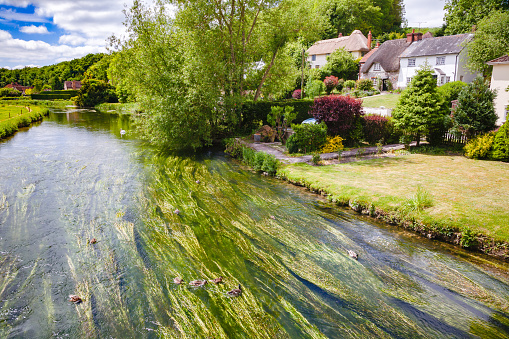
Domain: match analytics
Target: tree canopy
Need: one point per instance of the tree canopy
(461, 15)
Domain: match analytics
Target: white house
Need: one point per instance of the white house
(499, 82)
(356, 43)
(447, 56)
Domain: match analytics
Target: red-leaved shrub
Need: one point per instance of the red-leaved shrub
(340, 113)
(375, 128)
(330, 82)
(296, 94)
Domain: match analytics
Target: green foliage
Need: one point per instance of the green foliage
(491, 40)
(350, 84)
(9, 92)
(420, 108)
(475, 112)
(468, 238)
(450, 91)
(281, 120)
(480, 147)
(314, 88)
(341, 64)
(419, 201)
(233, 147)
(307, 138)
(315, 159)
(461, 15)
(54, 95)
(501, 144)
(94, 92)
(11, 126)
(365, 85)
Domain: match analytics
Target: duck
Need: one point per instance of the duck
(198, 283)
(235, 292)
(177, 212)
(217, 280)
(273, 217)
(75, 299)
(352, 254)
(93, 240)
(198, 182)
(122, 132)
(178, 280)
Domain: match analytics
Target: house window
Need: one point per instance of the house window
(377, 67)
(411, 62)
(408, 80)
(313, 57)
(441, 60)
(447, 79)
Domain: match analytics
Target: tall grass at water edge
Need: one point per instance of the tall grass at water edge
(10, 126)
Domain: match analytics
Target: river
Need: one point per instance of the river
(73, 178)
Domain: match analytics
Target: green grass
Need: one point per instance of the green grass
(12, 117)
(461, 193)
(386, 100)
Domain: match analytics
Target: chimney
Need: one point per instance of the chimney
(411, 37)
(377, 44)
(370, 37)
(340, 35)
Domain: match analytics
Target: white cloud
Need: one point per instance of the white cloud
(11, 15)
(15, 3)
(34, 29)
(71, 39)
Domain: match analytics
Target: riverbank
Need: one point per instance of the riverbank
(467, 199)
(15, 116)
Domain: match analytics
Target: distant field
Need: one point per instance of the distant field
(7, 112)
(386, 100)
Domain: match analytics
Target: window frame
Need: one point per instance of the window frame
(440, 60)
(411, 62)
(377, 67)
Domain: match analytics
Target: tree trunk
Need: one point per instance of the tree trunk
(418, 139)
(259, 89)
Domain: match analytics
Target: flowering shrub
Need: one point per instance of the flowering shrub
(350, 84)
(375, 128)
(341, 114)
(333, 144)
(480, 147)
(297, 94)
(330, 82)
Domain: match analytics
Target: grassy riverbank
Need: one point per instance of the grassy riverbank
(468, 196)
(15, 116)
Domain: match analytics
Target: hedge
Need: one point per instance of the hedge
(53, 95)
(254, 111)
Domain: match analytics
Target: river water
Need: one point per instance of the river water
(73, 177)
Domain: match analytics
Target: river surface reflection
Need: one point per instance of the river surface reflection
(73, 177)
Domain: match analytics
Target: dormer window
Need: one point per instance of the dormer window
(376, 67)
(411, 62)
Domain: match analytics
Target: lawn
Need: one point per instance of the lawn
(386, 100)
(7, 112)
(466, 193)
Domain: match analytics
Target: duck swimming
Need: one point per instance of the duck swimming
(75, 299)
(352, 254)
(178, 280)
(217, 280)
(235, 292)
(93, 240)
(198, 283)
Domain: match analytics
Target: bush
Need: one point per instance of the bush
(480, 147)
(350, 84)
(341, 114)
(341, 64)
(340, 84)
(260, 161)
(94, 92)
(365, 85)
(297, 94)
(314, 88)
(307, 138)
(9, 92)
(316, 159)
(333, 144)
(501, 143)
(375, 128)
(450, 91)
(330, 83)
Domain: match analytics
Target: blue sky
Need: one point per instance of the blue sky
(45, 32)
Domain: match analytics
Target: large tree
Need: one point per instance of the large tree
(461, 15)
(420, 109)
(491, 40)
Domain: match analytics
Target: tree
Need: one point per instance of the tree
(94, 92)
(491, 40)
(475, 112)
(420, 108)
(341, 64)
(461, 15)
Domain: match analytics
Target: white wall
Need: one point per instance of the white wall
(321, 60)
(500, 81)
(453, 68)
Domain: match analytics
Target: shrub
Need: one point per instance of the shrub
(340, 84)
(480, 147)
(297, 94)
(248, 155)
(316, 159)
(270, 163)
(333, 144)
(501, 143)
(341, 114)
(9, 92)
(258, 159)
(350, 84)
(365, 85)
(314, 88)
(233, 147)
(341, 64)
(330, 83)
(375, 128)
(280, 119)
(94, 92)
(307, 138)
(420, 200)
(450, 91)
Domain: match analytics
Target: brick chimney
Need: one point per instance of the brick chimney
(340, 35)
(411, 37)
(370, 37)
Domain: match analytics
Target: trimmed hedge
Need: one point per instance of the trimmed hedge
(255, 111)
(49, 96)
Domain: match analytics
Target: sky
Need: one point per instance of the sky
(45, 32)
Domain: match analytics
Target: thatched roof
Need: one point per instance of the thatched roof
(502, 60)
(452, 44)
(355, 42)
(387, 55)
